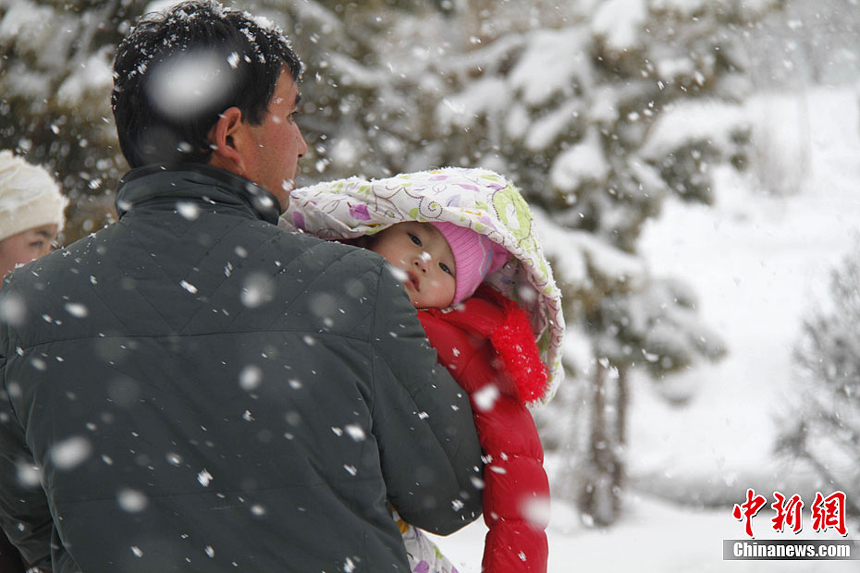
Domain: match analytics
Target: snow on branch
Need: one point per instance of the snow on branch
(688, 122)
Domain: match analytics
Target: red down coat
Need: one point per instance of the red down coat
(488, 347)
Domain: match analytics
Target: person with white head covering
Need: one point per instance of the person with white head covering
(31, 211)
(31, 216)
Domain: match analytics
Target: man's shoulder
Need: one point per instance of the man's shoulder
(322, 252)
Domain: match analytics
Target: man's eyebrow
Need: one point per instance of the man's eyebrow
(298, 99)
(44, 233)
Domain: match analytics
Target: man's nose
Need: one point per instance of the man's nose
(303, 145)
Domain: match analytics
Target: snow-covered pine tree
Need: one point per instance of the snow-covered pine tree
(823, 428)
(55, 81)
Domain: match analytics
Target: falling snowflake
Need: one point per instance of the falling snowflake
(355, 432)
(28, 475)
(70, 452)
(188, 210)
(486, 397)
(13, 310)
(131, 500)
(204, 477)
(536, 510)
(258, 510)
(398, 274)
(257, 289)
(188, 83)
(323, 305)
(250, 377)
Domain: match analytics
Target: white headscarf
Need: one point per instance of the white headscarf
(29, 196)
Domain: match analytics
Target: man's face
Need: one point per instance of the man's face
(26, 246)
(422, 260)
(272, 163)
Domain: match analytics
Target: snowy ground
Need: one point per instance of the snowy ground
(757, 262)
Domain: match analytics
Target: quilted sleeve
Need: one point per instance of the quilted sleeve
(429, 450)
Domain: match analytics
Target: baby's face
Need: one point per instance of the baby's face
(422, 259)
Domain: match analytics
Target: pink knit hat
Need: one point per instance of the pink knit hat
(475, 256)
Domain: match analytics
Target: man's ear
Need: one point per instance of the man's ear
(225, 139)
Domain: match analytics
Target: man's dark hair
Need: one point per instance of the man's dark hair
(177, 70)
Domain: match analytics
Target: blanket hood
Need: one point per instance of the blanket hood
(481, 200)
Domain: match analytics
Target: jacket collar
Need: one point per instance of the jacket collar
(195, 181)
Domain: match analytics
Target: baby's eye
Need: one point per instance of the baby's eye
(446, 269)
(415, 239)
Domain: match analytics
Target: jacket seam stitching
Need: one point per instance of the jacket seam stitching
(200, 334)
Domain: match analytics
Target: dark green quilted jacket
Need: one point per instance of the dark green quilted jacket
(194, 389)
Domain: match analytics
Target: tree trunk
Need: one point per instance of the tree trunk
(477, 17)
(622, 400)
(599, 499)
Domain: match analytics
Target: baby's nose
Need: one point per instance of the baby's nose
(422, 261)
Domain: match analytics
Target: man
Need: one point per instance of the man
(193, 389)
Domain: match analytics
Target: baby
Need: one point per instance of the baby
(484, 339)
(486, 343)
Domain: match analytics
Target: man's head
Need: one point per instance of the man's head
(31, 211)
(181, 73)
